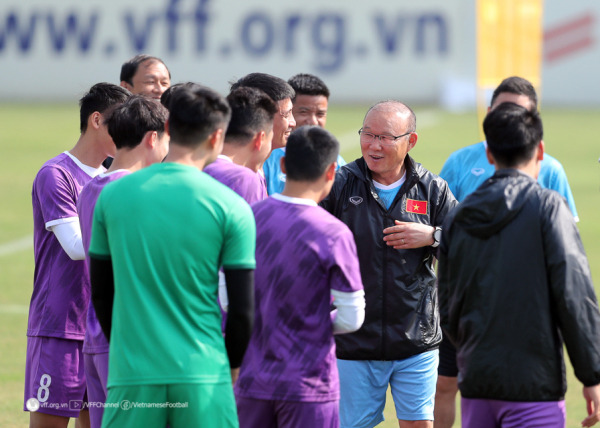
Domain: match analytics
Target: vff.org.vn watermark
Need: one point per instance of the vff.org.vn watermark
(33, 405)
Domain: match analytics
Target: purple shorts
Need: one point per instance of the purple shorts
(255, 413)
(54, 376)
(481, 413)
(96, 375)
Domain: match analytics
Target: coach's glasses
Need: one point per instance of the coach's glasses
(384, 140)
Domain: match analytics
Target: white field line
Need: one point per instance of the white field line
(17, 245)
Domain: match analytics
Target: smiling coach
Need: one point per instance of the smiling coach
(394, 208)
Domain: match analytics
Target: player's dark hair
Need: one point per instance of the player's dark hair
(252, 111)
(512, 133)
(518, 86)
(308, 84)
(101, 97)
(165, 98)
(129, 68)
(195, 113)
(129, 122)
(309, 151)
(278, 89)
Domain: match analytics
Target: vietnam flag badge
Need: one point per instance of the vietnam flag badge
(417, 207)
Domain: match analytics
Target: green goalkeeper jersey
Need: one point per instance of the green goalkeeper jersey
(167, 229)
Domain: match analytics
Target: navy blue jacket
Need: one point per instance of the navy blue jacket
(401, 316)
(514, 282)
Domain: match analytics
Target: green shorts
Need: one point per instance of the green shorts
(178, 405)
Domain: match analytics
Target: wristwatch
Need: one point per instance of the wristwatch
(437, 236)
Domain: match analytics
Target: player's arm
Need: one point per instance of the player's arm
(345, 284)
(59, 210)
(240, 315)
(350, 311)
(238, 260)
(561, 185)
(444, 285)
(223, 299)
(69, 236)
(103, 291)
(574, 302)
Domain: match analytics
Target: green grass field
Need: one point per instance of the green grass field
(31, 134)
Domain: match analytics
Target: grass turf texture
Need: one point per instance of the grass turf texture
(32, 134)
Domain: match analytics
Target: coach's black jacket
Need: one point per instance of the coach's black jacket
(402, 317)
(514, 282)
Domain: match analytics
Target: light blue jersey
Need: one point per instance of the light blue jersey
(275, 178)
(387, 193)
(468, 167)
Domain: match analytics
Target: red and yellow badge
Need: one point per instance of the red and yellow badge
(417, 207)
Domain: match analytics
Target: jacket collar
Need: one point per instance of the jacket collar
(511, 172)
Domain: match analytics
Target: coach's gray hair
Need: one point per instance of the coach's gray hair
(398, 106)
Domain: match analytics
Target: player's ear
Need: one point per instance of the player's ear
(151, 139)
(95, 120)
(126, 85)
(167, 126)
(330, 171)
(258, 140)
(490, 156)
(213, 139)
(540, 153)
(412, 140)
(216, 140)
(282, 164)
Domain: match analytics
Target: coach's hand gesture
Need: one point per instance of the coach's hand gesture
(405, 235)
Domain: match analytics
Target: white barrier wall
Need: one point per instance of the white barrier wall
(421, 52)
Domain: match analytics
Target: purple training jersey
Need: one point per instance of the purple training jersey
(302, 253)
(248, 184)
(95, 342)
(60, 290)
(243, 181)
